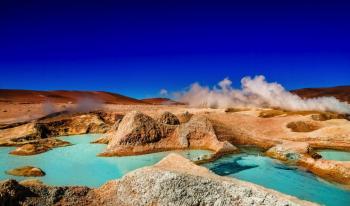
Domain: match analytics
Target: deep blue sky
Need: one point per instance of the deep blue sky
(138, 47)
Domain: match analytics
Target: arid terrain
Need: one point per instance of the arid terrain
(341, 92)
(31, 120)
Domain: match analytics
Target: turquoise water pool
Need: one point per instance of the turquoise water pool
(286, 179)
(79, 165)
(334, 155)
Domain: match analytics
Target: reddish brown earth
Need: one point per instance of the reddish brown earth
(62, 96)
(162, 101)
(341, 92)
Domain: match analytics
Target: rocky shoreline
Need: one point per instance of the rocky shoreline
(173, 181)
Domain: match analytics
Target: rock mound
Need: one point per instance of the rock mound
(27, 171)
(12, 193)
(289, 151)
(106, 138)
(137, 128)
(303, 126)
(199, 133)
(139, 133)
(185, 117)
(168, 118)
(178, 181)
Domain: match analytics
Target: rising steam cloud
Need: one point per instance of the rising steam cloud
(256, 92)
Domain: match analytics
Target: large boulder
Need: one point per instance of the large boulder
(168, 118)
(12, 193)
(178, 181)
(136, 128)
(139, 133)
(199, 133)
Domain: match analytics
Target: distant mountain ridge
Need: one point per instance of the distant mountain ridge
(70, 96)
(162, 101)
(340, 92)
(64, 96)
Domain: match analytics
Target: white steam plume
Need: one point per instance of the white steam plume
(87, 105)
(256, 92)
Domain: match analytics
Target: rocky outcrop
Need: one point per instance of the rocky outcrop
(61, 125)
(72, 125)
(300, 153)
(199, 133)
(184, 117)
(168, 118)
(303, 126)
(108, 117)
(14, 193)
(26, 171)
(327, 116)
(289, 151)
(139, 133)
(29, 182)
(173, 181)
(248, 129)
(334, 171)
(39, 146)
(177, 181)
(137, 128)
(106, 138)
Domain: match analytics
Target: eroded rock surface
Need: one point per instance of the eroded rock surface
(301, 154)
(177, 181)
(106, 138)
(289, 151)
(303, 126)
(139, 133)
(168, 118)
(39, 146)
(26, 171)
(52, 126)
(199, 133)
(334, 171)
(14, 193)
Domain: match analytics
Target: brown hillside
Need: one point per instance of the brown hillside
(341, 92)
(161, 101)
(62, 96)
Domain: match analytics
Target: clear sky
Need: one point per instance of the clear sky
(136, 48)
